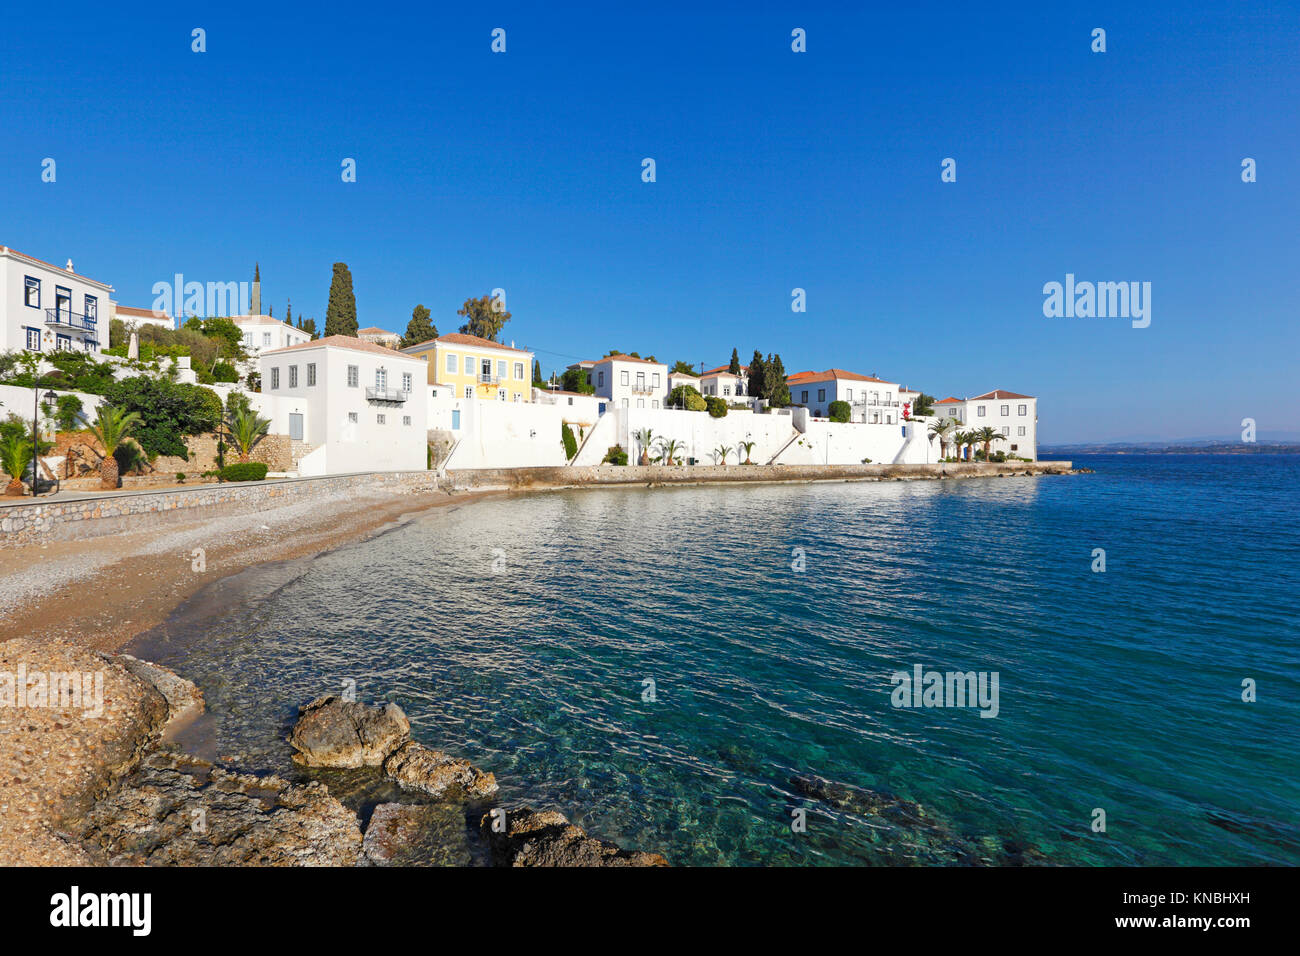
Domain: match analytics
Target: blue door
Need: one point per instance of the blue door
(455, 419)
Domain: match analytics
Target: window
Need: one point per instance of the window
(380, 419)
(311, 374)
(293, 376)
(821, 394)
(32, 292)
(979, 411)
(804, 399)
(654, 380)
(62, 300)
(451, 364)
(381, 378)
(62, 342)
(406, 419)
(88, 345)
(848, 394)
(640, 403)
(248, 339)
(275, 378)
(625, 403)
(469, 391)
(1006, 432)
(600, 378)
(517, 396)
(1022, 409)
(519, 370)
(726, 390)
(623, 377)
(406, 381)
(354, 376)
(1006, 410)
(501, 394)
(501, 368)
(654, 403)
(1020, 431)
(640, 381)
(92, 309)
(817, 413)
(266, 338)
(352, 417)
(1015, 447)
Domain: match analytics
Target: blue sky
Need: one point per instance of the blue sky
(775, 170)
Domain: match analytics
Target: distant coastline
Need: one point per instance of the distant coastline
(1174, 448)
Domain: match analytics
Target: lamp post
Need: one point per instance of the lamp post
(36, 432)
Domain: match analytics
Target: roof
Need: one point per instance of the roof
(620, 357)
(49, 265)
(338, 342)
(718, 373)
(376, 330)
(836, 373)
(260, 320)
(744, 370)
(683, 374)
(142, 313)
(460, 338)
(949, 401)
(999, 393)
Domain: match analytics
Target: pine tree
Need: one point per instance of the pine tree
(341, 313)
(734, 367)
(420, 329)
(757, 376)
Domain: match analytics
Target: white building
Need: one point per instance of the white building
(1012, 415)
(681, 378)
(360, 406)
(380, 337)
(628, 382)
(263, 334)
(871, 400)
(134, 318)
(45, 309)
(722, 383)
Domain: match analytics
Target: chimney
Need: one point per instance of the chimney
(69, 266)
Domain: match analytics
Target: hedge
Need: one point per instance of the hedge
(243, 471)
(716, 407)
(839, 412)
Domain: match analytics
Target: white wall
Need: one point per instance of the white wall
(697, 433)
(509, 435)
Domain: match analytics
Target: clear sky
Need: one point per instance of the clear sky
(775, 170)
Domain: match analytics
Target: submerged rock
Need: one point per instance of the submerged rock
(859, 800)
(547, 838)
(416, 767)
(401, 834)
(332, 732)
(179, 811)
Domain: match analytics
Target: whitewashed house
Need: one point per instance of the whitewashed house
(681, 378)
(628, 382)
(263, 334)
(1012, 415)
(45, 309)
(134, 318)
(360, 406)
(871, 400)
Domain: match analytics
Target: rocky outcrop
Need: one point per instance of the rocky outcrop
(415, 767)
(184, 700)
(401, 834)
(177, 811)
(332, 732)
(527, 837)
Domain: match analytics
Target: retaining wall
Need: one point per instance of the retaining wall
(24, 521)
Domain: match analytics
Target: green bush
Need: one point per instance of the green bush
(688, 397)
(224, 372)
(169, 412)
(67, 418)
(716, 407)
(839, 412)
(570, 443)
(616, 455)
(244, 471)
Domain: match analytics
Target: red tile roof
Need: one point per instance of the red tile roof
(949, 401)
(625, 358)
(143, 313)
(339, 342)
(999, 393)
(798, 378)
(23, 255)
(744, 370)
(375, 330)
(460, 338)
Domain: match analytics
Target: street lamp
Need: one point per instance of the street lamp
(36, 432)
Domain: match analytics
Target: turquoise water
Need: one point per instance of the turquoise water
(1118, 690)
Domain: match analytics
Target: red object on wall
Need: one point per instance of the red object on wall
(907, 409)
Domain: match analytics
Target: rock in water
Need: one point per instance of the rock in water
(400, 834)
(859, 800)
(179, 811)
(184, 700)
(416, 767)
(332, 732)
(547, 838)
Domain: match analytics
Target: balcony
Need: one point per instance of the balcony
(484, 379)
(390, 395)
(62, 318)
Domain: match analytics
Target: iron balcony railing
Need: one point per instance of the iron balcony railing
(70, 320)
(488, 379)
(386, 395)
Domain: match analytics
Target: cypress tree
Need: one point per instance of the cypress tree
(734, 367)
(778, 392)
(419, 329)
(538, 381)
(341, 313)
(288, 312)
(757, 376)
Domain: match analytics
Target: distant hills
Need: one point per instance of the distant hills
(1207, 446)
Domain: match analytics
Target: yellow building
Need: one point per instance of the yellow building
(474, 367)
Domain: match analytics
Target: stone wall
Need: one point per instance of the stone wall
(23, 521)
(586, 475)
(274, 451)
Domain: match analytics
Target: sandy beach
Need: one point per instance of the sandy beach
(62, 605)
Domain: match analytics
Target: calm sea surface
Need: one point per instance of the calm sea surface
(1118, 691)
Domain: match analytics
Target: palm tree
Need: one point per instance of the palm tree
(644, 437)
(987, 435)
(721, 453)
(668, 448)
(746, 447)
(15, 455)
(941, 428)
(110, 427)
(246, 430)
(959, 442)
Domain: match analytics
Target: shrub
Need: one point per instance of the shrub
(839, 412)
(243, 471)
(570, 443)
(616, 455)
(688, 397)
(130, 459)
(224, 372)
(169, 412)
(68, 415)
(716, 407)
